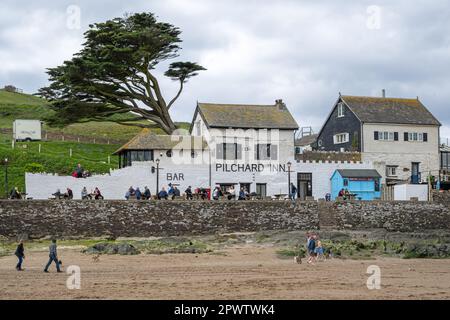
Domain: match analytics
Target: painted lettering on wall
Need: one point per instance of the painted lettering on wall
(175, 176)
(223, 167)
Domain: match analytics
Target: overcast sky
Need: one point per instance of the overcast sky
(304, 52)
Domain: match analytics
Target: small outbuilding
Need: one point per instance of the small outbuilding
(361, 184)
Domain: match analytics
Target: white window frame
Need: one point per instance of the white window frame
(391, 171)
(386, 136)
(415, 136)
(341, 110)
(341, 138)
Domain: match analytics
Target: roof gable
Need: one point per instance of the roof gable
(246, 116)
(390, 110)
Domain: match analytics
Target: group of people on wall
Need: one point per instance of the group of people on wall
(85, 195)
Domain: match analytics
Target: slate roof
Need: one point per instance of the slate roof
(246, 116)
(306, 140)
(146, 140)
(359, 173)
(390, 110)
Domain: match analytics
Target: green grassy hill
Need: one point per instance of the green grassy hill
(24, 106)
(54, 155)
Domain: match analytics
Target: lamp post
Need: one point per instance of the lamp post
(289, 178)
(157, 176)
(6, 177)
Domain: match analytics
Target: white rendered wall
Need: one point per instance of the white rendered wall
(405, 192)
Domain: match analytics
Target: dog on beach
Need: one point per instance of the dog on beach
(96, 258)
(298, 260)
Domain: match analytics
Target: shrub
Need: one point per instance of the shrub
(34, 167)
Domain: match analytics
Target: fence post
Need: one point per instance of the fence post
(109, 159)
(62, 138)
(12, 143)
(78, 139)
(39, 148)
(46, 138)
(94, 140)
(70, 152)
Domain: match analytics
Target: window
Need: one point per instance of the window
(391, 171)
(386, 136)
(341, 138)
(345, 182)
(341, 110)
(169, 153)
(229, 151)
(266, 151)
(416, 136)
(199, 128)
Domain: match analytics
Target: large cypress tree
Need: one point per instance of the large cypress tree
(112, 77)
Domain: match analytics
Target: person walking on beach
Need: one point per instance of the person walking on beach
(312, 249)
(53, 256)
(20, 254)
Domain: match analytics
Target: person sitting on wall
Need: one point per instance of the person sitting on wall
(231, 193)
(131, 191)
(68, 194)
(147, 195)
(86, 174)
(163, 194)
(170, 191)
(97, 194)
(216, 193)
(341, 193)
(176, 192)
(84, 194)
(138, 194)
(15, 194)
(241, 194)
(57, 194)
(188, 193)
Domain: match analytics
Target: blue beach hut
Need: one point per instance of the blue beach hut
(365, 184)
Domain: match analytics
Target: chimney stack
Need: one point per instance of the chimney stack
(383, 93)
(280, 104)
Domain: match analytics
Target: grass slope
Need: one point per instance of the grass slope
(24, 106)
(54, 157)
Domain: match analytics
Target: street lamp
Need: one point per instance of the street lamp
(6, 177)
(157, 176)
(289, 178)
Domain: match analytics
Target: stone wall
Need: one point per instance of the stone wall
(402, 216)
(40, 218)
(442, 197)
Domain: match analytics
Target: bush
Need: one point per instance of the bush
(34, 167)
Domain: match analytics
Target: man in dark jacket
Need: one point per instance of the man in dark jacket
(53, 256)
(20, 254)
(188, 193)
(147, 194)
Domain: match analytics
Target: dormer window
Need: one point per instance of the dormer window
(341, 110)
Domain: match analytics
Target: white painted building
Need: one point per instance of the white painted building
(248, 146)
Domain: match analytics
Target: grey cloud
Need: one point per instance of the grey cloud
(257, 51)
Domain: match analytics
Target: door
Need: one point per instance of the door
(304, 185)
(261, 190)
(415, 173)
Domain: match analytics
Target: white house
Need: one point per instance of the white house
(245, 146)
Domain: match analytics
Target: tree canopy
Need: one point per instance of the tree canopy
(112, 77)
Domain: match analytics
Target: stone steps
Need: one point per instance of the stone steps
(328, 219)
